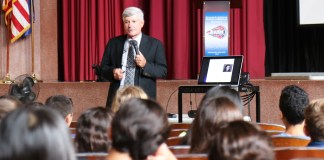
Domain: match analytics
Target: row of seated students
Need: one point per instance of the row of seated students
(139, 130)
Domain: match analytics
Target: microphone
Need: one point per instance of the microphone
(134, 43)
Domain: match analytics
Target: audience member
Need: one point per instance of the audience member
(211, 113)
(126, 93)
(63, 105)
(293, 101)
(223, 91)
(92, 130)
(34, 105)
(139, 131)
(37, 134)
(314, 123)
(242, 141)
(8, 104)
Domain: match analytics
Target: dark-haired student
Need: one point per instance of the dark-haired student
(63, 105)
(91, 131)
(35, 133)
(240, 140)
(292, 103)
(139, 131)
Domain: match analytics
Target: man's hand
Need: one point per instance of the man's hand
(140, 60)
(118, 73)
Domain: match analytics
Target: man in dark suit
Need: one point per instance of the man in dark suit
(149, 59)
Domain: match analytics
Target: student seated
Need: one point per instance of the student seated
(292, 103)
(8, 104)
(126, 93)
(63, 105)
(218, 105)
(139, 131)
(314, 123)
(92, 130)
(240, 140)
(35, 134)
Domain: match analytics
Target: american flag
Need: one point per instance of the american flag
(17, 16)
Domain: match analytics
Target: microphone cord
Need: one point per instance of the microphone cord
(190, 102)
(166, 108)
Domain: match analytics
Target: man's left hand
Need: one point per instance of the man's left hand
(140, 60)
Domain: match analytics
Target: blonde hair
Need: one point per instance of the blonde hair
(126, 93)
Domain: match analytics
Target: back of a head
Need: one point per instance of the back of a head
(293, 101)
(139, 127)
(92, 130)
(208, 118)
(223, 91)
(60, 103)
(8, 104)
(38, 134)
(126, 93)
(240, 140)
(314, 120)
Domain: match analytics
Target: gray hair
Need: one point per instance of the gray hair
(131, 11)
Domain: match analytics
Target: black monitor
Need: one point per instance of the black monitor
(222, 70)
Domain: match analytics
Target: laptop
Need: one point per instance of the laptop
(222, 71)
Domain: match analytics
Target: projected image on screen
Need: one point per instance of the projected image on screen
(311, 12)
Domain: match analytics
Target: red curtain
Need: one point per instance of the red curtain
(87, 25)
(247, 36)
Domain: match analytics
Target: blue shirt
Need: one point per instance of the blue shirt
(316, 144)
(284, 134)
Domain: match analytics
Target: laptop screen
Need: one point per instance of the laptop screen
(224, 70)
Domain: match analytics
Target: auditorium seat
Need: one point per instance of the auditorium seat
(92, 156)
(174, 141)
(191, 156)
(72, 130)
(271, 126)
(180, 125)
(73, 124)
(289, 142)
(180, 149)
(287, 153)
(176, 132)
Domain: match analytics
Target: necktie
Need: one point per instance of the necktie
(130, 67)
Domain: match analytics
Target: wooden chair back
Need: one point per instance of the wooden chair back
(73, 124)
(192, 156)
(180, 125)
(174, 141)
(180, 149)
(176, 132)
(270, 126)
(287, 153)
(72, 130)
(289, 142)
(92, 156)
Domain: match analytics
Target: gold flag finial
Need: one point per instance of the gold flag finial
(7, 79)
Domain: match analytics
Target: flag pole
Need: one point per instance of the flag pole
(7, 79)
(32, 10)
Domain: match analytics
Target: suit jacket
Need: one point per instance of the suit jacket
(156, 66)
